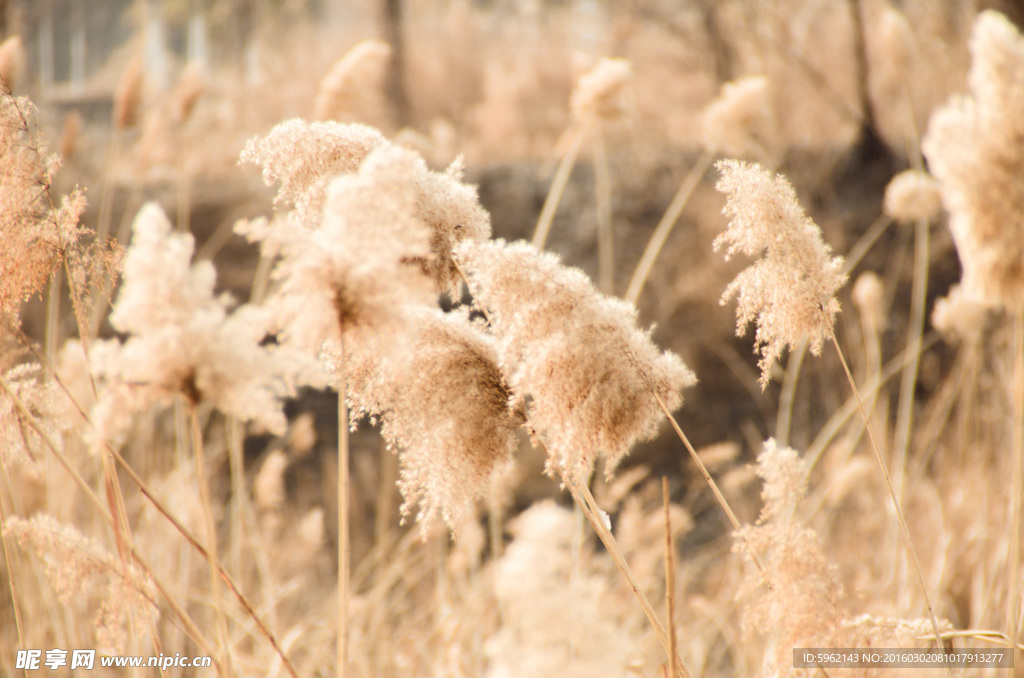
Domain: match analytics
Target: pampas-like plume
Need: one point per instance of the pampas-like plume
(304, 157)
(354, 275)
(353, 88)
(591, 373)
(128, 97)
(598, 92)
(446, 407)
(35, 235)
(913, 195)
(19, 443)
(740, 121)
(790, 291)
(182, 341)
(974, 147)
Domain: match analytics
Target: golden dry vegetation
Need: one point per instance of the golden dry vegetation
(471, 279)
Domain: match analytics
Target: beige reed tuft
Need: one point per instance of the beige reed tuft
(445, 407)
(353, 89)
(789, 293)
(974, 147)
(591, 374)
(913, 195)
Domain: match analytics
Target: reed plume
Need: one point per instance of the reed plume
(445, 407)
(790, 292)
(974, 149)
(591, 374)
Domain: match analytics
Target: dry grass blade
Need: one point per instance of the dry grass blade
(670, 579)
(596, 518)
(665, 226)
(190, 627)
(892, 493)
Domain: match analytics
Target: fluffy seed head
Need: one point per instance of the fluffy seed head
(353, 88)
(975, 147)
(790, 291)
(12, 61)
(182, 341)
(961, 316)
(128, 97)
(869, 296)
(446, 408)
(591, 373)
(739, 121)
(303, 157)
(599, 91)
(913, 195)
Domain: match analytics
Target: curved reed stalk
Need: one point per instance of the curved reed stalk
(665, 226)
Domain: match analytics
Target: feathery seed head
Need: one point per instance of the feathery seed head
(975, 147)
(869, 296)
(183, 341)
(357, 271)
(446, 408)
(591, 373)
(913, 195)
(598, 92)
(303, 157)
(73, 562)
(790, 291)
(128, 97)
(962, 316)
(452, 210)
(353, 88)
(739, 121)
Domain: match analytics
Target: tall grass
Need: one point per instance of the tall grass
(491, 384)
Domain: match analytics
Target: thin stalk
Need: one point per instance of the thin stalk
(585, 500)
(239, 494)
(670, 580)
(605, 229)
(710, 481)
(892, 491)
(189, 626)
(216, 597)
(700, 464)
(343, 511)
(918, 297)
(547, 213)
(1012, 613)
(52, 332)
(865, 243)
(155, 502)
(787, 395)
(7, 561)
(665, 226)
